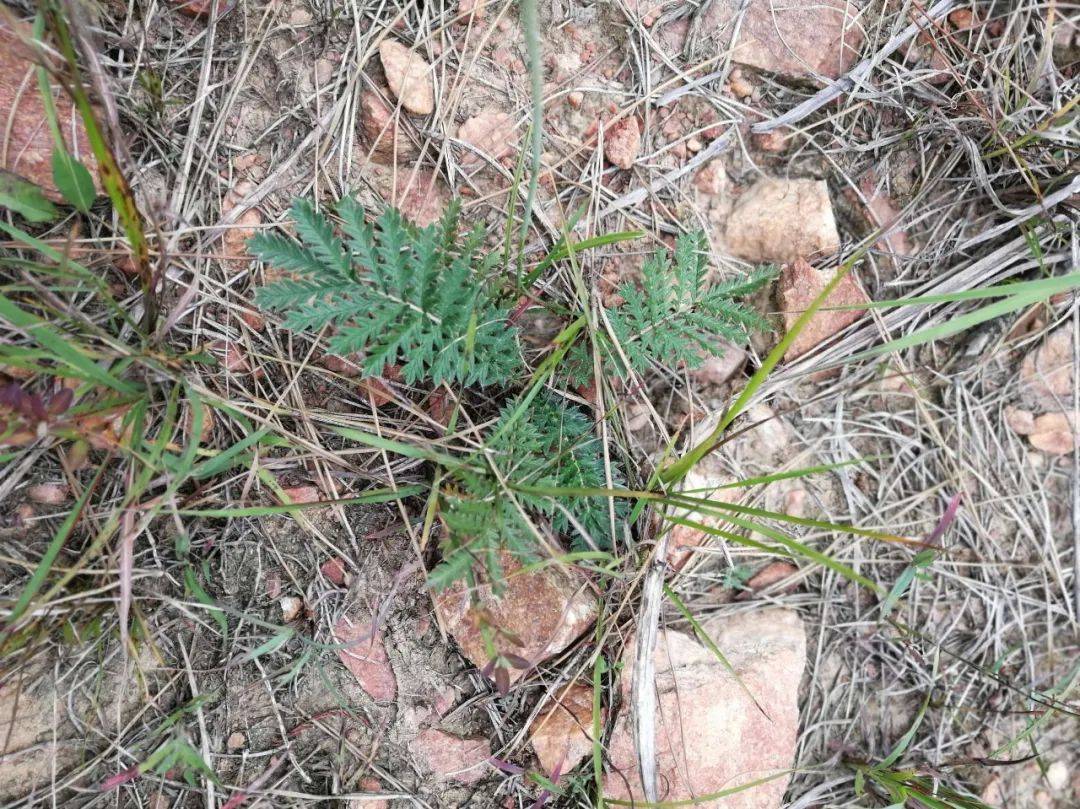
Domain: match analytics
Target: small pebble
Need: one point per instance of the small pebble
(236, 741)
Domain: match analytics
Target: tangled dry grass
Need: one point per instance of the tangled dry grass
(952, 163)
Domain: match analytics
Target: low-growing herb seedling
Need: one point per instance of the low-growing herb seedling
(421, 297)
(676, 316)
(429, 300)
(552, 446)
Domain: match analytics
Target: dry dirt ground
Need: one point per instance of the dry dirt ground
(228, 117)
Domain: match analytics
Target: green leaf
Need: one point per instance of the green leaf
(676, 316)
(542, 459)
(398, 294)
(73, 179)
(65, 349)
(922, 560)
(25, 199)
(563, 249)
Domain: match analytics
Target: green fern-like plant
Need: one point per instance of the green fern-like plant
(420, 297)
(675, 314)
(551, 445)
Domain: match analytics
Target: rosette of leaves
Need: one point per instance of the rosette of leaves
(547, 446)
(675, 315)
(395, 293)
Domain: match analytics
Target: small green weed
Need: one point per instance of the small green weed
(420, 297)
(430, 300)
(675, 316)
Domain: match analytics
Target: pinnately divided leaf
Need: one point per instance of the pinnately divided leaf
(553, 446)
(395, 293)
(676, 316)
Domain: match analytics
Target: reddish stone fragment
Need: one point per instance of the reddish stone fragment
(536, 615)
(561, 735)
(799, 285)
(27, 147)
(364, 654)
(622, 142)
(452, 757)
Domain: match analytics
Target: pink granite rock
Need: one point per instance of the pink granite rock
(710, 735)
(561, 734)
(452, 757)
(409, 76)
(490, 133)
(622, 142)
(780, 220)
(798, 41)
(799, 285)
(27, 145)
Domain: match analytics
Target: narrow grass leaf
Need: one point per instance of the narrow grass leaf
(599, 668)
(948, 328)
(194, 586)
(373, 496)
(225, 459)
(396, 447)
(563, 249)
(62, 346)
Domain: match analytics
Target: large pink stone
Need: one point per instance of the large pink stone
(710, 735)
(561, 734)
(537, 614)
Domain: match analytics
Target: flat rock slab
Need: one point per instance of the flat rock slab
(710, 736)
(535, 616)
(794, 40)
(27, 148)
(451, 757)
(363, 652)
(562, 734)
(780, 220)
(409, 76)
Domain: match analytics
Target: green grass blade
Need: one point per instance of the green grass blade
(62, 346)
(700, 799)
(563, 249)
(224, 460)
(397, 447)
(950, 327)
(373, 496)
(41, 572)
(679, 469)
